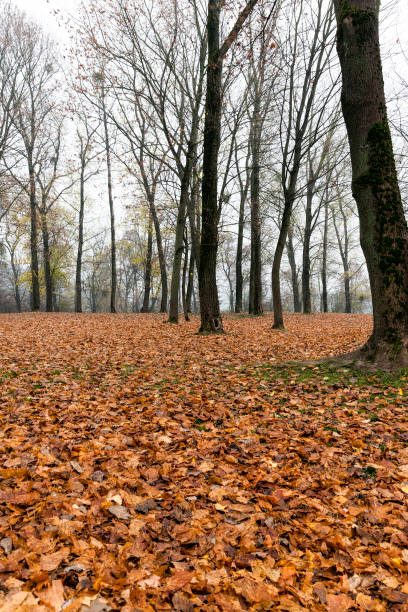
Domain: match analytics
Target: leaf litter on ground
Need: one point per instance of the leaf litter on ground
(144, 467)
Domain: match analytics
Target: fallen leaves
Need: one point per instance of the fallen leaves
(149, 468)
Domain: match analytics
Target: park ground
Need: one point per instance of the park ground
(145, 467)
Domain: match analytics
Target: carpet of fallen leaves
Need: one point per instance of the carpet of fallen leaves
(144, 467)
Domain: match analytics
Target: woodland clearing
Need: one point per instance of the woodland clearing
(144, 467)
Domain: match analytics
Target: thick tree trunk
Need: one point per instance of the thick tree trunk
(148, 268)
(35, 280)
(255, 281)
(383, 228)
(78, 271)
(297, 307)
(325, 307)
(211, 321)
(49, 290)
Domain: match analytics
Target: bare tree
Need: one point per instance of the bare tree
(299, 99)
(86, 132)
(32, 110)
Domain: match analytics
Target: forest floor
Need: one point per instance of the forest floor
(144, 467)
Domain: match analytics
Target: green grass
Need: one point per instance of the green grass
(329, 374)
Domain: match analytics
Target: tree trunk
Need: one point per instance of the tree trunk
(111, 206)
(186, 204)
(193, 207)
(306, 297)
(16, 286)
(347, 292)
(383, 228)
(283, 234)
(148, 268)
(184, 281)
(162, 259)
(324, 257)
(211, 321)
(47, 262)
(255, 281)
(35, 280)
(190, 284)
(179, 247)
(78, 272)
(239, 278)
(297, 307)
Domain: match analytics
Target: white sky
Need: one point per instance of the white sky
(42, 10)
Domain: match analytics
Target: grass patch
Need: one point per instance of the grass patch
(328, 375)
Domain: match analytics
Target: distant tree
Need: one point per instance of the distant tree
(32, 116)
(308, 55)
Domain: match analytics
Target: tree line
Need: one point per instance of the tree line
(218, 135)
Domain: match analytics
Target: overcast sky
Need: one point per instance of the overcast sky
(394, 30)
(42, 11)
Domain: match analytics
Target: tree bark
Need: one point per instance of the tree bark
(35, 280)
(289, 198)
(306, 296)
(179, 243)
(255, 279)
(383, 228)
(239, 278)
(78, 271)
(185, 280)
(190, 284)
(162, 259)
(211, 321)
(186, 203)
(148, 268)
(244, 188)
(297, 307)
(325, 307)
(111, 204)
(49, 290)
(16, 285)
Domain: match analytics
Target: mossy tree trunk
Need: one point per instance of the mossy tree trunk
(383, 228)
